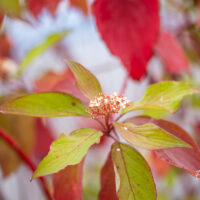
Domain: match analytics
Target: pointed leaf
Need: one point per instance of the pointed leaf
(67, 183)
(171, 53)
(46, 104)
(85, 80)
(124, 25)
(148, 136)
(185, 158)
(163, 96)
(67, 150)
(39, 49)
(136, 181)
(108, 190)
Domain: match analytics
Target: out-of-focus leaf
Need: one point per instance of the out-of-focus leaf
(1, 20)
(130, 29)
(85, 80)
(36, 6)
(160, 167)
(41, 48)
(22, 129)
(171, 53)
(148, 136)
(136, 181)
(45, 104)
(108, 189)
(163, 96)
(11, 8)
(67, 183)
(63, 82)
(44, 138)
(185, 158)
(5, 46)
(67, 150)
(82, 4)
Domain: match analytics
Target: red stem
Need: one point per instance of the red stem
(15, 146)
(125, 83)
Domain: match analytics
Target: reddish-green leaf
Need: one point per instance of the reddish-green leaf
(67, 183)
(171, 53)
(148, 136)
(108, 189)
(135, 181)
(46, 104)
(85, 80)
(130, 29)
(185, 158)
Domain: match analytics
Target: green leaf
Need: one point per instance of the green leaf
(41, 48)
(45, 104)
(164, 96)
(136, 181)
(148, 136)
(85, 80)
(12, 8)
(67, 150)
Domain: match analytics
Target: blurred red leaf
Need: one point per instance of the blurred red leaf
(160, 167)
(1, 20)
(36, 6)
(185, 158)
(44, 138)
(5, 46)
(171, 53)
(63, 82)
(82, 4)
(130, 29)
(108, 190)
(197, 131)
(68, 183)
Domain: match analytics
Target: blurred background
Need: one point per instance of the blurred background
(38, 37)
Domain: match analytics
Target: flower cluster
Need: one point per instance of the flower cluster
(103, 105)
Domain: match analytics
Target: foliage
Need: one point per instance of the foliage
(132, 31)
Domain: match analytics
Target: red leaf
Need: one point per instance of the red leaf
(1, 20)
(185, 158)
(171, 53)
(160, 167)
(64, 82)
(44, 138)
(108, 190)
(130, 29)
(36, 6)
(68, 183)
(5, 46)
(82, 4)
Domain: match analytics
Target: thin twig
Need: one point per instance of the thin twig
(15, 146)
(124, 85)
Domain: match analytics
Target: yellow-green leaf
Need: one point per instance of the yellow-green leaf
(136, 181)
(67, 150)
(39, 49)
(45, 104)
(148, 136)
(163, 96)
(85, 80)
